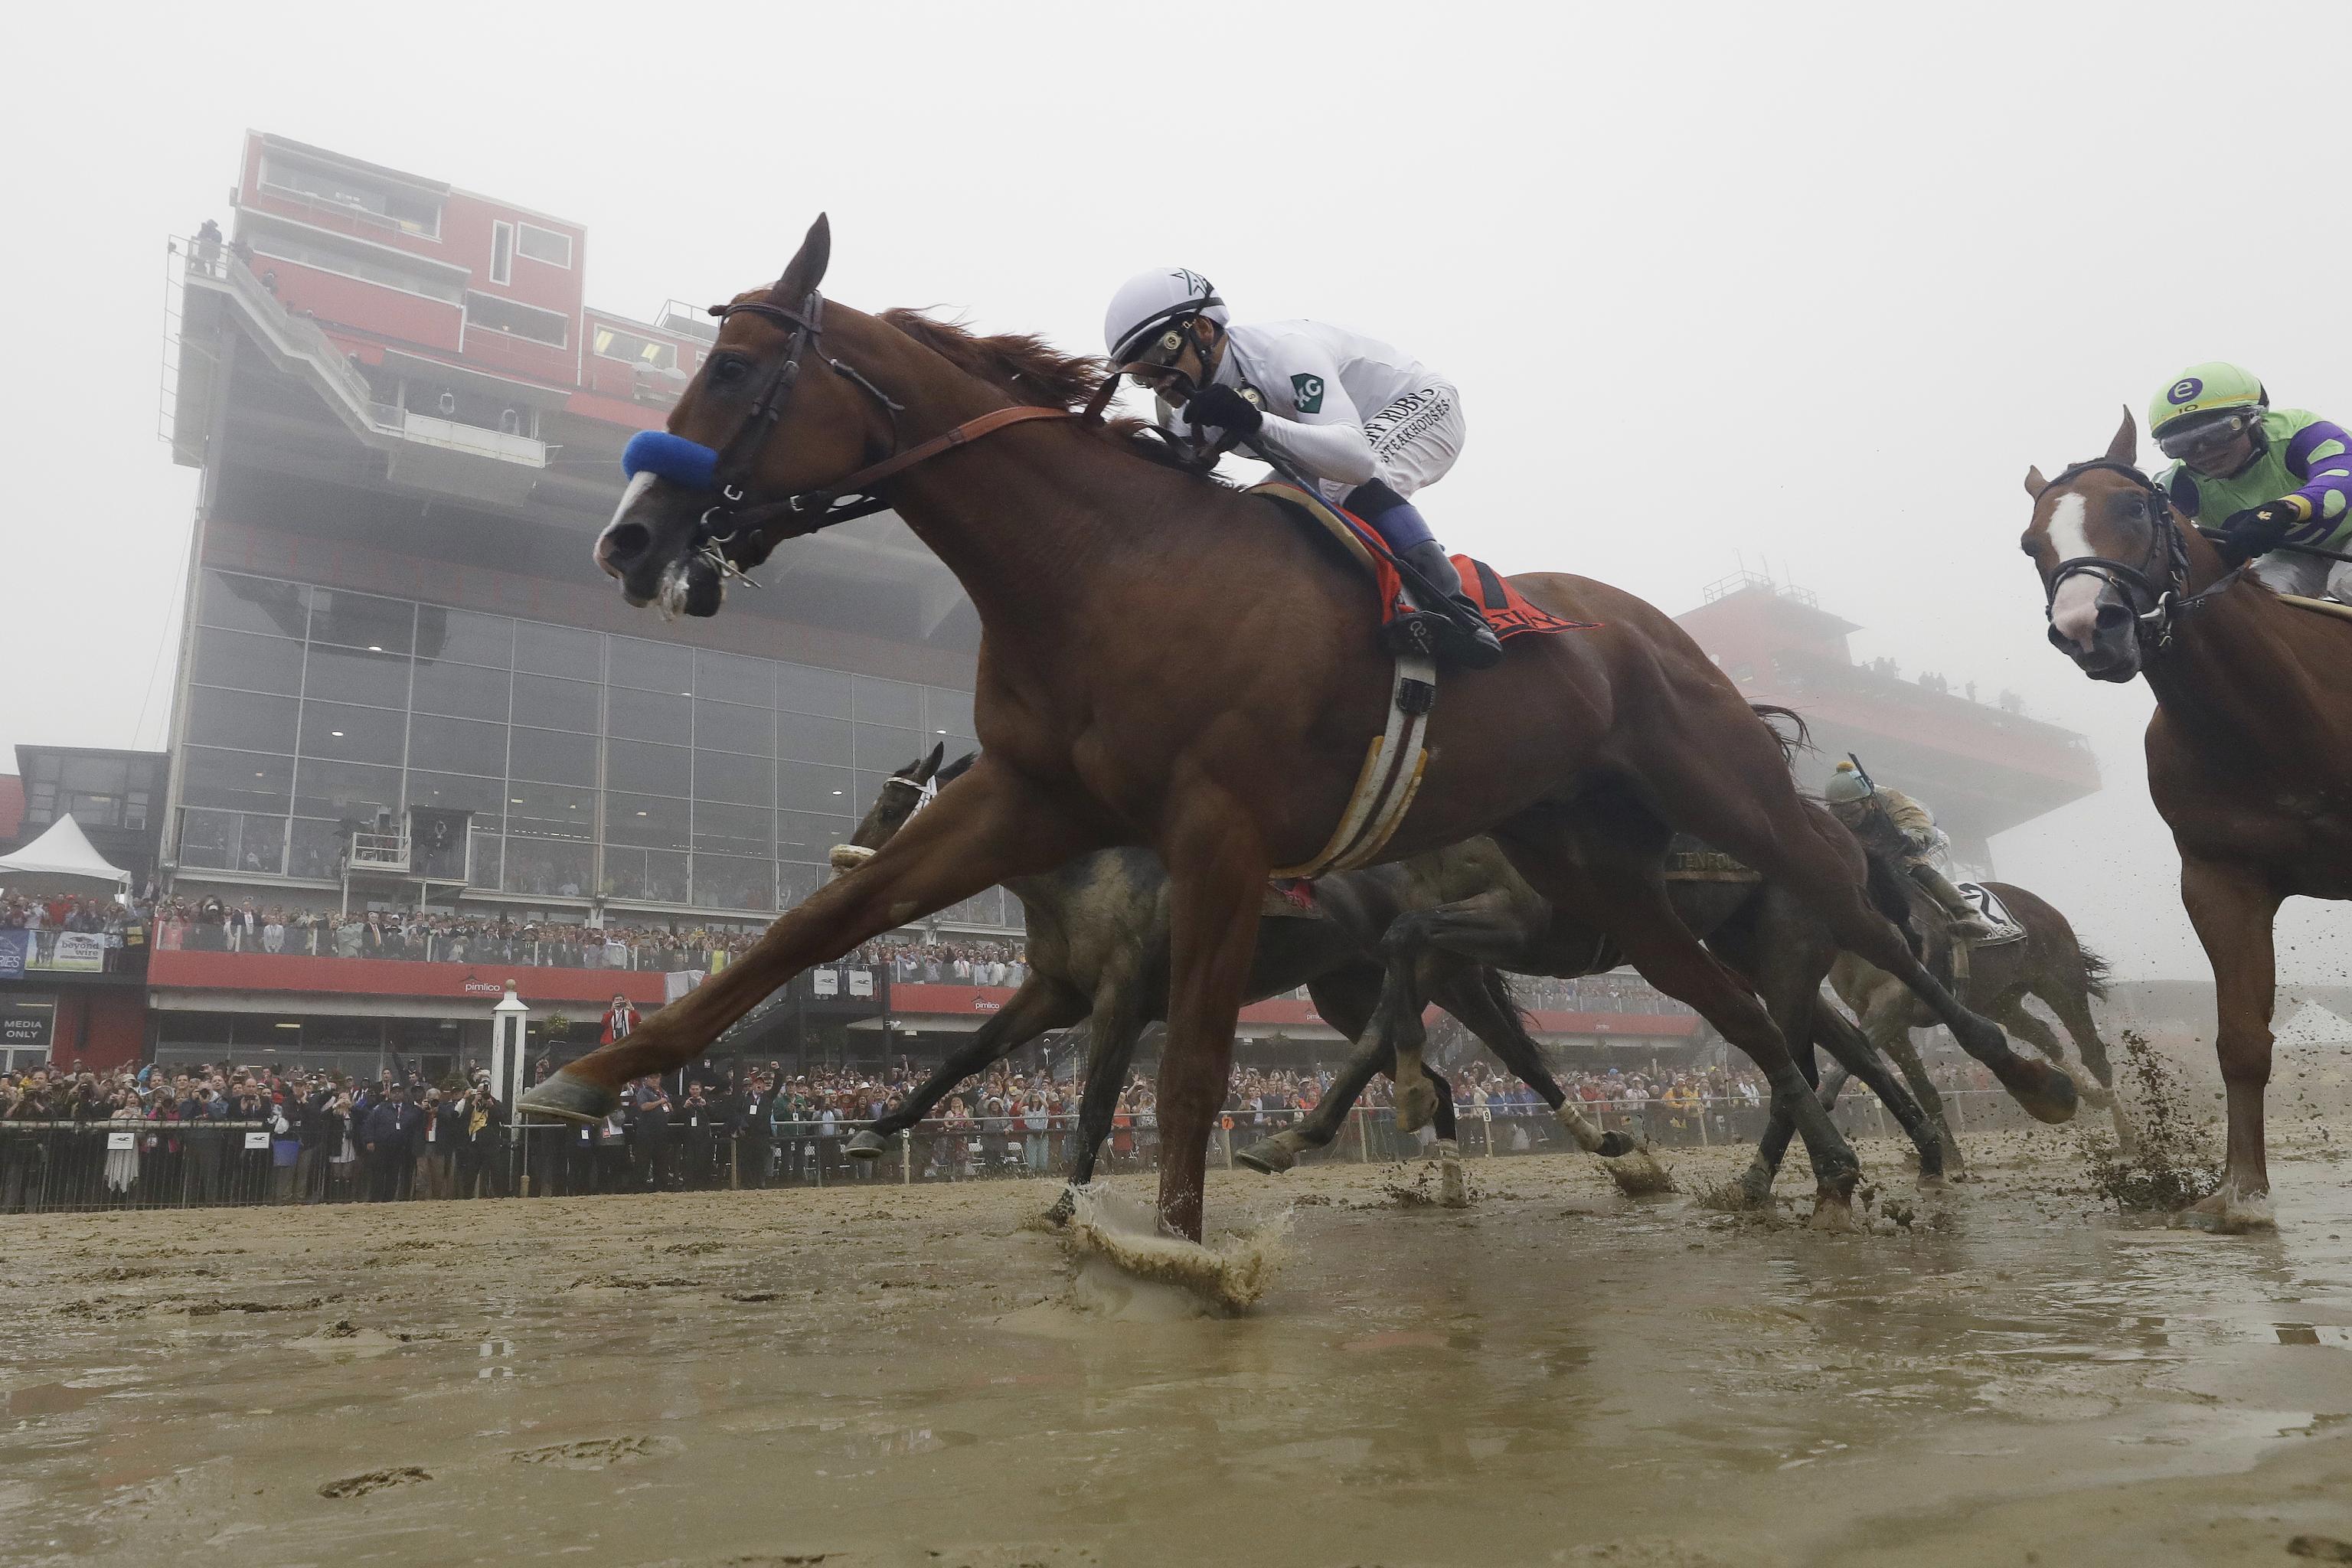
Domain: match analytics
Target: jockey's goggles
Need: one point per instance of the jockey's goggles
(1155, 365)
(2196, 442)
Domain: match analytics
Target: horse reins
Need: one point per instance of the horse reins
(729, 534)
(2164, 605)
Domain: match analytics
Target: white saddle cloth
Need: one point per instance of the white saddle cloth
(1987, 904)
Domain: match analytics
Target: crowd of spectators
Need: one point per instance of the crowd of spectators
(423, 935)
(212, 925)
(91, 912)
(950, 962)
(221, 1134)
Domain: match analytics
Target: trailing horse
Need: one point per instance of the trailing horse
(1098, 950)
(2249, 754)
(2048, 963)
(1166, 663)
(1773, 943)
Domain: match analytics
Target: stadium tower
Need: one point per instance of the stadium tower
(1974, 757)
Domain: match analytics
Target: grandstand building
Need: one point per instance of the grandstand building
(1980, 765)
(404, 686)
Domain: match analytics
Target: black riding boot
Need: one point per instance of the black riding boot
(1477, 646)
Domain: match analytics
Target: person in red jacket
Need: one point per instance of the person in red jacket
(620, 1020)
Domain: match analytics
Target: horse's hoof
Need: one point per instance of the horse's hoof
(2041, 1090)
(1615, 1145)
(1931, 1181)
(2229, 1213)
(1833, 1214)
(567, 1096)
(1267, 1156)
(2091, 1092)
(1638, 1174)
(1416, 1104)
(2127, 1135)
(865, 1144)
(1452, 1182)
(1063, 1208)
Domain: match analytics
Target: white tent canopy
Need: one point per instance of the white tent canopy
(2314, 1026)
(62, 855)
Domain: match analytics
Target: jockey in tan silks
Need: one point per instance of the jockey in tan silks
(1854, 798)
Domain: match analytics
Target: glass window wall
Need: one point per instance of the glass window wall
(648, 771)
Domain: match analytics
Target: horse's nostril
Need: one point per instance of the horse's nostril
(623, 545)
(2112, 616)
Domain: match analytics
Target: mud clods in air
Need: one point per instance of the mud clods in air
(2176, 1163)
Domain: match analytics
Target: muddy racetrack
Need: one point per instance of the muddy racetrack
(922, 1376)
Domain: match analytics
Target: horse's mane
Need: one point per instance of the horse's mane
(1035, 372)
(1798, 737)
(1026, 365)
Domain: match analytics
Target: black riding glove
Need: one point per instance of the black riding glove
(2248, 533)
(1225, 408)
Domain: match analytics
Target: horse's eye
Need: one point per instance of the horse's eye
(727, 371)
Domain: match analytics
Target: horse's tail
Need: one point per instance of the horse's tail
(2096, 971)
(1798, 738)
(1506, 999)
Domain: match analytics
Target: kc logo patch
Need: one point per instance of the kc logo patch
(2182, 391)
(1307, 394)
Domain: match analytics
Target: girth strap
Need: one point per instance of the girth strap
(1389, 777)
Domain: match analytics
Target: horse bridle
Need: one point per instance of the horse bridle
(849, 857)
(2155, 609)
(731, 534)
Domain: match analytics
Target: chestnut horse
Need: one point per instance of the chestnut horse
(2249, 754)
(1167, 663)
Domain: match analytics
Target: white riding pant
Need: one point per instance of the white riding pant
(2313, 576)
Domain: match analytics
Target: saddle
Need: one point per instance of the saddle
(1403, 628)
(1391, 776)
(1689, 860)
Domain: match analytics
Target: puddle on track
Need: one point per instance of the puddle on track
(883, 1375)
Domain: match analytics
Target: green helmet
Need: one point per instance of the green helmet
(2203, 390)
(1847, 785)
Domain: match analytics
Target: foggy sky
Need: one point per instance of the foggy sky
(1804, 284)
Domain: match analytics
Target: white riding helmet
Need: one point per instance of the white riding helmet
(1149, 303)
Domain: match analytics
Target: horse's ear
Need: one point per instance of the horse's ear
(2125, 448)
(908, 772)
(957, 769)
(805, 270)
(932, 764)
(2034, 483)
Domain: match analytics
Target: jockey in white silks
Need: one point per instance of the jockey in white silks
(1367, 424)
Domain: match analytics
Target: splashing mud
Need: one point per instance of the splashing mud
(1640, 1173)
(1108, 1226)
(2172, 1162)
